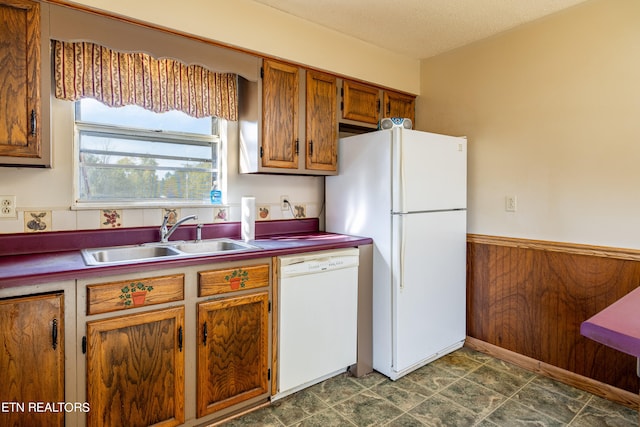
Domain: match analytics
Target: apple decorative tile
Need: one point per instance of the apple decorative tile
(110, 218)
(220, 214)
(264, 213)
(35, 221)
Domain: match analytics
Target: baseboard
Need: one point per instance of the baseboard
(598, 388)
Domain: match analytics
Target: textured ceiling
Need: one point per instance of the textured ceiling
(420, 28)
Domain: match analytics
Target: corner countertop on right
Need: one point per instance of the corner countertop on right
(618, 325)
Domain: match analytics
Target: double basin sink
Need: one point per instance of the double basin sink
(157, 251)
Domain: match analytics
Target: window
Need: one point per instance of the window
(131, 156)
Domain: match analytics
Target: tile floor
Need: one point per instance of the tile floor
(464, 388)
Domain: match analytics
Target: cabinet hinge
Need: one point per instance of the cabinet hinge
(262, 72)
(261, 152)
(269, 374)
(84, 345)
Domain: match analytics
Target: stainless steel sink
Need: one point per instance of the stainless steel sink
(213, 246)
(157, 251)
(125, 254)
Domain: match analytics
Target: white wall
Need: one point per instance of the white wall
(258, 28)
(552, 114)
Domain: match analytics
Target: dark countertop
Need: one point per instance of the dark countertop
(276, 239)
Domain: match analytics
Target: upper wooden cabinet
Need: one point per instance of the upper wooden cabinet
(32, 357)
(399, 105)
(364, 105)
(292, 129)
(360, 102)
(20, 112)
(280, 139)
(320, 137)
(288, 121)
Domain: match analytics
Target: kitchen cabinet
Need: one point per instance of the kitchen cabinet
(321, 139)
(233, 351)
(399, 105)
(20, 112)
(233, 341)
(364, 105)
(135, 362)
(135, 369)
(280, 138)
(185, 346)
(32, 333)
(287, 121)
(360, 102)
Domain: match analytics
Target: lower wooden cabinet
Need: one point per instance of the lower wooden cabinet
(135, 369)
(233, 351)
(195, 348)
(32, 358)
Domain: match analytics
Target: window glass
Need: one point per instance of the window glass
(132, 156)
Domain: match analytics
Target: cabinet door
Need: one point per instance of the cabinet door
(321, 131)
(280, 115)
(135, 369)
(19, 78)
(32, 358)
(360, 102)
(399, 105)
(233, 349)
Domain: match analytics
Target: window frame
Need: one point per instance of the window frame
(215, 138)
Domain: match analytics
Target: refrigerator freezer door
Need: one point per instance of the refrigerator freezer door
(429, 171)
(429, 285)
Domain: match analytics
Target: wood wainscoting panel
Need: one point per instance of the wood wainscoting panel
(530, 297)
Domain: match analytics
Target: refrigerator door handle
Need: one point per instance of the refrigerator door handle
(402, 250)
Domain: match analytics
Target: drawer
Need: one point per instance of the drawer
(126, 294)
(215, 282)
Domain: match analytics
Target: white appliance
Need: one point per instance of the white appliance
(407, 190)
(318, 317)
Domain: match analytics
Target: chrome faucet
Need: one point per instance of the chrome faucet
(165, 232)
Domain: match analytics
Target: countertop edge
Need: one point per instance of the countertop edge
(33, 269)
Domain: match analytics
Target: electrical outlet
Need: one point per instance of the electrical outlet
(7, 206)
(510, 203)
(284, 203)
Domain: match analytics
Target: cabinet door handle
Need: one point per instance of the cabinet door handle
(33, 122)
(205, 333)
(180, 339)
(54, 334)
(297, 146)
(310, 148)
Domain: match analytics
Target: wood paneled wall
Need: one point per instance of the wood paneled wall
(530, 297)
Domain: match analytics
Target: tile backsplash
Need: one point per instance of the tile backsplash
(30, 220)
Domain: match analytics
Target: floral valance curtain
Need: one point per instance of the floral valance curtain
(83, 69)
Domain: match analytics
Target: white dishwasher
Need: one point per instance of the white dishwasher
(318, 317)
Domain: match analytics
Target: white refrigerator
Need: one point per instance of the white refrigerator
(407, 190)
